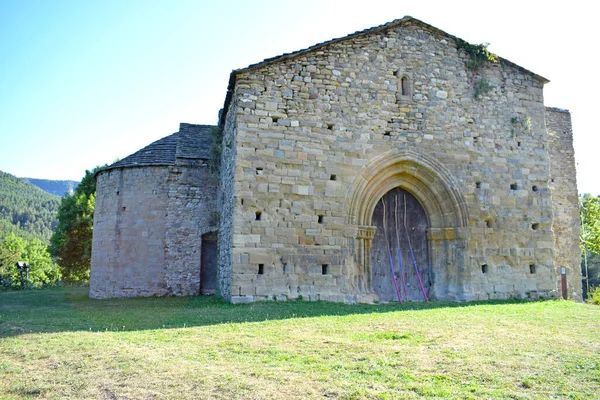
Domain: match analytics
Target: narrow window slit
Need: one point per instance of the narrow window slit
(261, 269)
(404, 86)
(258, 216)
(484, 268)
(320, 218)
(532, 268)
(324, 268)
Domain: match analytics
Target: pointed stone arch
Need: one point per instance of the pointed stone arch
(439, 194)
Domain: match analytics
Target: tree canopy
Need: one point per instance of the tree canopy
(590, 223)
(71, 243)
(43, 271)
(589, 212)
(27, 217)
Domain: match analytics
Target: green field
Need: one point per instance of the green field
(57, 343)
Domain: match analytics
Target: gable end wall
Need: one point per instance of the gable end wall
(335, 110)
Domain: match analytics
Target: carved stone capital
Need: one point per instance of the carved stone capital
(366, 232)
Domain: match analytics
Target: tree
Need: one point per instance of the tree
(12, 248)
(71, 243)
(43, 271)
(593, 262)
(589, 212)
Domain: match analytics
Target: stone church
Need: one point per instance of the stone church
(396, 163)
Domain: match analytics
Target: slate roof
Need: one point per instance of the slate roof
(375, 29)
(192, 141)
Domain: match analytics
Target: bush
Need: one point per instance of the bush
(43, 271)
(593, 296)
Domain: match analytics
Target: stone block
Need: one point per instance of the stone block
(261, 258)
(242, 299)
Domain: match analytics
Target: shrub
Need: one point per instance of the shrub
(593, 296)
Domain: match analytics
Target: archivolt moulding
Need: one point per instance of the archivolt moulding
(426, 178)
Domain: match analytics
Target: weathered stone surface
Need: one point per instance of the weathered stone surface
(472, 163)
(128, 247)
(150, 218)
(565, 205)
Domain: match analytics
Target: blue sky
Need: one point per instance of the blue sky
(85, 82)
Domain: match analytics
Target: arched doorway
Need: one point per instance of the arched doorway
(400, 240)
(433, 187)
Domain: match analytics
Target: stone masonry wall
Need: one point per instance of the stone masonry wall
(128, 245)
(226, 205)
(563, 184)
(191, 212)
(306, 128)
(148, 229)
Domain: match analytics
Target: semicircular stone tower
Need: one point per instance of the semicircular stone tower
(155, 220)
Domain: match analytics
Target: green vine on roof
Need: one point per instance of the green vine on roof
(478, 53)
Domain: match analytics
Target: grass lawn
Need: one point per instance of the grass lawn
(57, 343)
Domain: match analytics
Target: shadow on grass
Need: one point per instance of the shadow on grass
(70, 309)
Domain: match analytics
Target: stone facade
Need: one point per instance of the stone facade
(565, 202)
(322, 134)
(150, 219)
(315, 141)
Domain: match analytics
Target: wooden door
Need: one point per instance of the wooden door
(208, 264)
(405, 229)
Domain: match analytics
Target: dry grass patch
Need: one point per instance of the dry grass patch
(60, 344)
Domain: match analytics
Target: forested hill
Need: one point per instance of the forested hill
(25, 209)
(59, 188)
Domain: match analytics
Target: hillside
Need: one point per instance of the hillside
(26, 209)
(59, 188)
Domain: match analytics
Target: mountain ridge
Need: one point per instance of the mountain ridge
(26, 209)
(55, 187)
